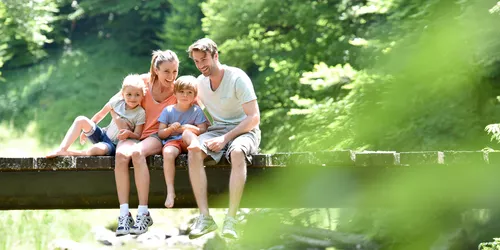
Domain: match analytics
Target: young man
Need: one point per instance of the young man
(228, 95)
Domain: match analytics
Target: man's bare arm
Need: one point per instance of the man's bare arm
(252, 120)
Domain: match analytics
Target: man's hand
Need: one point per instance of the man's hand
(83, 138)
(216, 144)
(123, 134)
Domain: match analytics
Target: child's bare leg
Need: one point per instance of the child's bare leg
(169, 155)
(80, 123)
(96, 149)
(191, 140)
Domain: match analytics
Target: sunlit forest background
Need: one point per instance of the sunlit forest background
(403, 75)
(374, 74)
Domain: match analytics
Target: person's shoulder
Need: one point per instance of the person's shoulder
(145, 77)
(196, 108)
(116, 100)
(169, 108)
(235, 70)
(201, 78)
(235, 73)
(140, 109)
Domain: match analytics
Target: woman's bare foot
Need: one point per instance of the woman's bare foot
(169, 202)
(57, 152)
(194, 146)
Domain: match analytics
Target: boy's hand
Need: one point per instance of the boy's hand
(175, 126)
(123, 134)
(83, 138)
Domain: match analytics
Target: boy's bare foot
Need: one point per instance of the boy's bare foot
(194, 146)
(169, 202)
(57, 152)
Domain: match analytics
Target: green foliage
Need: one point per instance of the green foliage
(78, 81)
(134, 22)
(434, 85)
(25, 28)
(182, 27)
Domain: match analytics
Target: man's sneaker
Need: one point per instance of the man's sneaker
(124, 224)
(142, 222)
(203, 225)
(228, 230)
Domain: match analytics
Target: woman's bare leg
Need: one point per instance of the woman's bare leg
(122, 178)
(147, 147)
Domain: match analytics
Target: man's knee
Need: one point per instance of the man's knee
(237, 156)
(195, 156)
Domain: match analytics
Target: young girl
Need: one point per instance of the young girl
(180, 124)
(126, 105)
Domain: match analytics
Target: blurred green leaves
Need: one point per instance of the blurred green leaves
(25, 27)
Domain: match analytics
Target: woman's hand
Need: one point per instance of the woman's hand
(121, 122)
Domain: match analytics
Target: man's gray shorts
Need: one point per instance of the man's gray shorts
(247, 142)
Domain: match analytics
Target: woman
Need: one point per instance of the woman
(159, 94)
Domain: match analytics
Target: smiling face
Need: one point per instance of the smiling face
(167, 72)
(132, 96)
(205, 63)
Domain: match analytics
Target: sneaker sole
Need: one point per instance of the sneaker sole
(192, 237)
(139, 233)
(121, 234)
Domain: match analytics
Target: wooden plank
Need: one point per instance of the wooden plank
(319, 179)
(421, 158)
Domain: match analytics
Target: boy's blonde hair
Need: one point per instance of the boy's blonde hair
(186, 82)
(134, 80)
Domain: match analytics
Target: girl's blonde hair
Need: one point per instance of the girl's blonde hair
(134, 80)
(159, 57)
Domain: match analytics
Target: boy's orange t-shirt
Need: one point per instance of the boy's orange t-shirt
(153, 109)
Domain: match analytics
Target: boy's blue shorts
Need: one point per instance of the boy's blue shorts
(98, 135)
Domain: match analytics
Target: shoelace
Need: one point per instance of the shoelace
(229, 222)
(202, 219)
(122, 221)
(141, 220)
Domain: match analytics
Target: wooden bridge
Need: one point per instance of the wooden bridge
(319, 179)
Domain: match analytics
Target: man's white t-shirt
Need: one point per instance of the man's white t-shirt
(224, 104)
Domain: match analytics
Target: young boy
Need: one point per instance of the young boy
(126, 105)
(180, 124)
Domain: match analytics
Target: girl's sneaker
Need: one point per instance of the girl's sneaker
(124, 224)
(142, 222)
